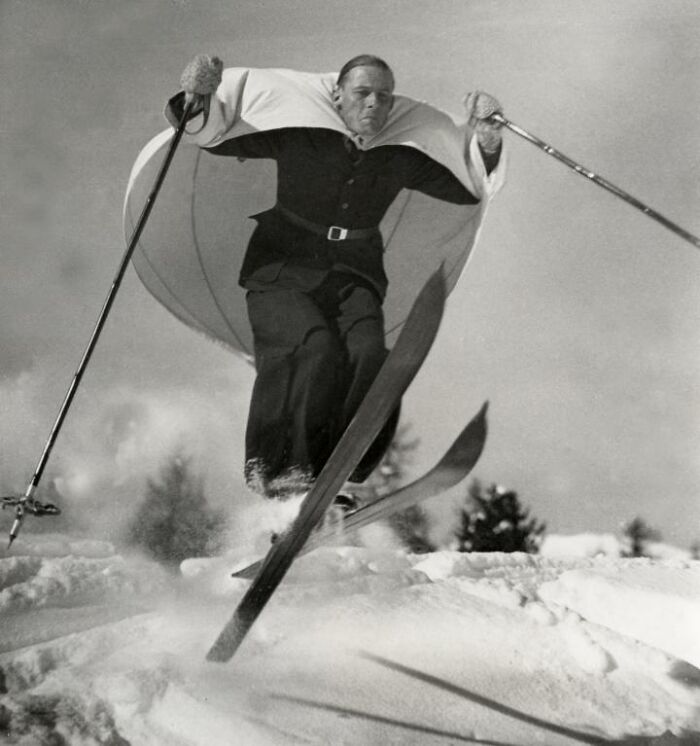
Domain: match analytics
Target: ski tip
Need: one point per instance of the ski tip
(480, 422)
(481, 415)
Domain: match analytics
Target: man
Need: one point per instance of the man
(313, 270)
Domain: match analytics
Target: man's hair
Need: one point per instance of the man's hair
(363, 60)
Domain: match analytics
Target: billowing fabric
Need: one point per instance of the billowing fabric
(190, 253)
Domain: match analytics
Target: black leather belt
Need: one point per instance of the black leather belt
(332, 232)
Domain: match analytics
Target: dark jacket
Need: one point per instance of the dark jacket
(323, 178)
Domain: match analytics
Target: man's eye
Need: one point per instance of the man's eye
(380, 95)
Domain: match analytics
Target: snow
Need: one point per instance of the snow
(358, 646)
(592, 545)
(581, 545)
(653, 602)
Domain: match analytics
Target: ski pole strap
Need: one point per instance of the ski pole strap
(599, 180)
(331, 232)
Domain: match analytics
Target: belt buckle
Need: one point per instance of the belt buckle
(336, 233)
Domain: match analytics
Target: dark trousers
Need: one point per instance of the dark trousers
(316, 355)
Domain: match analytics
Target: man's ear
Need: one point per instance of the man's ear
(335, 97)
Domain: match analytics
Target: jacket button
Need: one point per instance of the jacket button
(344, 206)
(350, 181)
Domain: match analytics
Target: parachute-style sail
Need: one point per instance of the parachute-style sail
(190, 253)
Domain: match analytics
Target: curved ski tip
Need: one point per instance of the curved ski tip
(481, 420)
(481, 415)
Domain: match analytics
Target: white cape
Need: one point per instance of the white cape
(191, 250)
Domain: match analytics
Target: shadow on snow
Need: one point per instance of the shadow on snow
(666, 739)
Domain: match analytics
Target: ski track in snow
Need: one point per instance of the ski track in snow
(358, 646)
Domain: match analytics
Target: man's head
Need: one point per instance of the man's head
(363, 94)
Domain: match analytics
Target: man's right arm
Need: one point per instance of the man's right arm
(215, 109)
(254, 145)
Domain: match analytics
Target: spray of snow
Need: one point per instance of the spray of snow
(108, 450)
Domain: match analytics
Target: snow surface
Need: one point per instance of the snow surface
(358, 646)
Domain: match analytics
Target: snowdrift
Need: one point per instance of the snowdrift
(357, 647)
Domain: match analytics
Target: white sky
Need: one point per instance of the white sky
(579, 317)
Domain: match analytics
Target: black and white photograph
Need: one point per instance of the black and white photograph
(350, 372)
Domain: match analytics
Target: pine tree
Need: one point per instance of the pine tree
(392, 468)
(496, 522)
(175, 521)
(411, 525)
(639, 533)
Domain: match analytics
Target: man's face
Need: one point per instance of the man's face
(364, 99)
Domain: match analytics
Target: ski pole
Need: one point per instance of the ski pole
(27, 503)
(597, 180)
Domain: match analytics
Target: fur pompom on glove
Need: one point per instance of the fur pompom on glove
(202, 75)
(479, 106)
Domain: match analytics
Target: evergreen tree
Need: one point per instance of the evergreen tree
(391, 471)
(495, 521)
(639, 533)
(175, 521)
(411, 525)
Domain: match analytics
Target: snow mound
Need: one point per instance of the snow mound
(656, 603)
(608, 545)
(581, 545)
(70, 573)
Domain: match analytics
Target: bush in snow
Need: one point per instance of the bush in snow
(57, 720)
(174, 521)
(411, 525)
(392, 468)
(639, 534)
(493, 520)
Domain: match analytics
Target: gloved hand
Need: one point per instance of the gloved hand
(201, 78)
(479, 106)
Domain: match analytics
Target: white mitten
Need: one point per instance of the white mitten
(479, 107)
(202, 76)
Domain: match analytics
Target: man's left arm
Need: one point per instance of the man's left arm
(482, 142)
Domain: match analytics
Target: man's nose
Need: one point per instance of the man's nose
(371, 100)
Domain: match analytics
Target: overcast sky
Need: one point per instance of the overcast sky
(579, 317)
